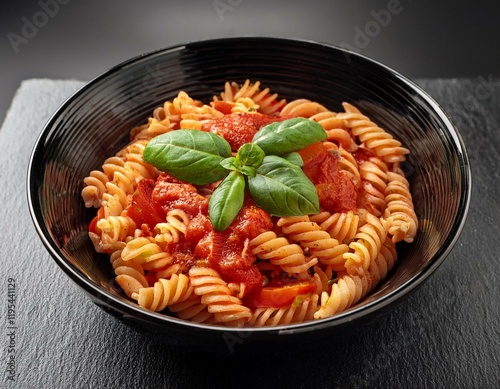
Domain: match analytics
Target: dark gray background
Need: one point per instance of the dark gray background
(80, 39)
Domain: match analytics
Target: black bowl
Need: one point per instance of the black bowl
(94, 124)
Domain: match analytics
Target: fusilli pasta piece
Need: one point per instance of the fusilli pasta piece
(375, 138)
(164, 293)
(280, 252)
(400, 207)
(143, 250)
(341, 226)
(297, 312)
(114, 233)
(366, 244)
(314, 239)
(374, 180)
(302, 107)
(227, 309)
(267, 103)
(346, 292)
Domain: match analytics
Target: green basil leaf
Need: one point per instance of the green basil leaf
(294, 158)
(281, 138)
(282, 188)
(250, 154)
(189, 155)
(226, 201)
(230, 163)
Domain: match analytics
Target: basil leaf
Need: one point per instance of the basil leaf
(226, 201)
(230, 163)
(282, 188)
(294, 158)
(189, 155)
(250, 155)
(281, 138)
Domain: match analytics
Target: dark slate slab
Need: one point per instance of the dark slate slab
(447, 334)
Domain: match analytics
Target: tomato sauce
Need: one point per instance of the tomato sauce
(239, 128)
(362, 155)
(230, 255)
(336, 191)
(227, 251)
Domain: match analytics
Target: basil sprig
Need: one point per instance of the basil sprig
(280, 138)
(268, 166)
(189, 155)
(282, 188)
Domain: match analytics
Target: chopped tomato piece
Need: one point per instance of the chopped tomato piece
(239, 128)
(278, 296)
(222, 106)
(170, 193)
(322, 168)
(361, 155)
(93, 223)
(229, 250)
(336, 191)
(142, 209)
(311, 151)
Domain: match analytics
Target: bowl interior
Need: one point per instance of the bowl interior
(94, 124)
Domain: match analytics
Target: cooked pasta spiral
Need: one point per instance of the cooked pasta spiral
(341, 226)
(346, 292)
(164, 293)
(193, 309)
(400, 207)
(280, 252)
(316, 241)
(115, 232)
(303, 108)
(366, 244)
(171, 230)
(375, 138)
(337, 129)
(295, 313)
(267, 103)
(118, 178)
(144, 250)
(374, 180)
(227, 309)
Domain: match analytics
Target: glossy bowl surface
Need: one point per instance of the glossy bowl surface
(94, 124)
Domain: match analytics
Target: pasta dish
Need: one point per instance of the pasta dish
(251, 210)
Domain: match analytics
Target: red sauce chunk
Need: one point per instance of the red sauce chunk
(142, 209)
(170, 193)
(227, 251)
(239, 128)
(230, 255)
(336, 191)
(362, 155)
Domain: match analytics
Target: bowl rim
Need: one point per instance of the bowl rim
(128, 308)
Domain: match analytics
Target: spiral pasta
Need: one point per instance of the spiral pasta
(280, 252)
(366, 244)
(315, 240)
(217, 296)
(294, 313)
(375, 138)
(164, 293)
(243, 95)
(400, 207)
(167, 258)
